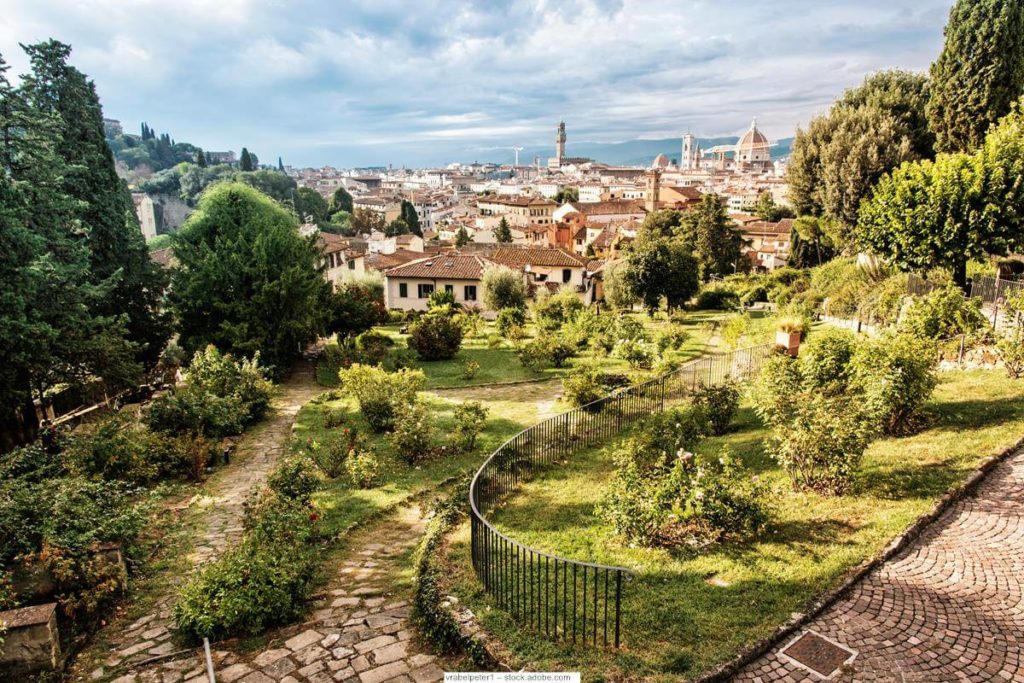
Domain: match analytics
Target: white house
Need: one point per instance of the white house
(409, 286)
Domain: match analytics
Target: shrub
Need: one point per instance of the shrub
(373, 347)
(471, 321)
(470, 418)
(545, 350)
(825, 360)
(671, 338)
(212, 372)
(1011, 350)
(190, 411)
(552, 311)
(942, 314)
(441, 301)
(719, 404)
(716, 298)
(639, 354)
(294, 479)
(824, 442)
(583, 385)
(777, 390)
(503, 288)
(665, 436)
(509, 318)
(470, 369)
(413, 437)
(687, 504)
(116, 447)
(894, 375)
(435, 337)
(329, 457)
(379, 392)
(262, 581)
(362, 468)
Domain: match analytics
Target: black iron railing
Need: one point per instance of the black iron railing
(570, 600)
(995, 290)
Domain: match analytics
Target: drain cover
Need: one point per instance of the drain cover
(817, 653)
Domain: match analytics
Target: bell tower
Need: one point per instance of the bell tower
(560, 143)
(652, 190)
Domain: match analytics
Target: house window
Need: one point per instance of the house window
(470, 293)
(352, 264)
(403, 290)
(449, 289)
(566, 274)
(424, 291)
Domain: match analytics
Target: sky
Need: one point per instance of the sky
(427, 82)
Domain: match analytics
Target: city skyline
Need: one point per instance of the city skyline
(440, 82)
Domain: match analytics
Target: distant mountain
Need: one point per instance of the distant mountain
(628, 153)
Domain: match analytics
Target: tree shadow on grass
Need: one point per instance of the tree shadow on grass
(974, 414)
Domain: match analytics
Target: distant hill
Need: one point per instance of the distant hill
(628, 153)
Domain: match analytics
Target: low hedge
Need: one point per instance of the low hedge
(434, 620)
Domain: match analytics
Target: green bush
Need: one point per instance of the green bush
(294, 479)
(117, 447)
(823, 443)
(502, 288)
(379, 392)
(470, 369)
(413, 436)
(373, 347)
(509, 318)
(264, 580)
(942, 314)
(214, 373)
(362, 468)
(190, 411)
(1011, 350)
(546, 350)
(718, 403)
(470, 418)
(552, 311)
(894, 376)
(671, 338)
(583, 385)
(665, 436)
(716, 298)
(435, 337)
(639, 354)
(825, 360)
(687, 504)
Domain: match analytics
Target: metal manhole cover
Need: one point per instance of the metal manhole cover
(817, 653)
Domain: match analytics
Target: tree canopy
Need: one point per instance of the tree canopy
(411, 218)
(979, 74)
(871, 130)
(960, 207)
(246, 280)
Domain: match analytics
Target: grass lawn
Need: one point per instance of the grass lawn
(677, 622)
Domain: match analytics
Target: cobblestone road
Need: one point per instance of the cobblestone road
(948, 608)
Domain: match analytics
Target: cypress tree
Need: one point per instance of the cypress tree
(280, 165)
(200, 159)
(979, 74)
(411, 218)
(117, 250)
(503, 233)
(48, 331)
(245, 161)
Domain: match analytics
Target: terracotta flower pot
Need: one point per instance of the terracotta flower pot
(790, 341)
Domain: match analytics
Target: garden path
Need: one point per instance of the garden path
(950, 607)
(215, 517)
(360, 629)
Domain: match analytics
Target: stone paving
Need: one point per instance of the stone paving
(948, 608)
(359, 630)
(219, 510)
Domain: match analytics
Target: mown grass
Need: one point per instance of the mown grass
(677, 622)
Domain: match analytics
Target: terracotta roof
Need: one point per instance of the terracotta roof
(511, 256)
(517, 200)
(384, 261)
(450, 266)
(782, 227)
(595, 265)
(331, 243)
(617, 206)
(604, 238)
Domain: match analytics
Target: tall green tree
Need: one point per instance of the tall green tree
(871, 130)
(310, 204)
(246, 280)
(503, 233)
(979, 74)
(411, 218)
(708, 232)
(245, 161)
(341, 200)
(462, 237)
(104, 206)
(961, 207)
(200, 159)
(661, 268)
(49, 331)
(280, 165)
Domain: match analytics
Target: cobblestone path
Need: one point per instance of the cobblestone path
(948, 608)
(359, 630)
(218, 510)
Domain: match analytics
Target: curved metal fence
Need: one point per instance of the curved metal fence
(566, 599)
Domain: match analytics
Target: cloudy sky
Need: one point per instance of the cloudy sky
(429, 81)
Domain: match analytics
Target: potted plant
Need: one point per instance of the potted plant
(789, 333)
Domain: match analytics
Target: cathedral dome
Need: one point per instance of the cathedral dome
(753, 146)
(660, 161)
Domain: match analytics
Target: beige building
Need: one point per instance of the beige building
(520, 210)
(408, 287)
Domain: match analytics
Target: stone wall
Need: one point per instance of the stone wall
(31, 642)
